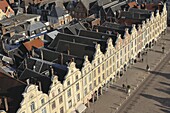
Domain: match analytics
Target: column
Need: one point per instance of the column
(101, 91)
(97, 95)
(93, 98)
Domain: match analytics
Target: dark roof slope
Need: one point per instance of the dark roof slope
(12, 89)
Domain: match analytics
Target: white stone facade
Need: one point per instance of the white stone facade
(82, 85)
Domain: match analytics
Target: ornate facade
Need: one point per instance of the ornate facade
(82, 86)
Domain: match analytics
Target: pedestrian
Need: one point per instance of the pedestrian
(147, 67)
(142, 59)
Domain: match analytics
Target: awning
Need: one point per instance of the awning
(81, 108)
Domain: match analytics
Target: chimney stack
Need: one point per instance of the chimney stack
(25, 62)
(51, 71)
(28, 81)
(41, 54)
(61, 58)
(39, 84)
(68, 51)
(6, 103)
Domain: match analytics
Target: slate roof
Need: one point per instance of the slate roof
(57, 12)
(42, 68)
(88, 3)
(113, 30)
(103, 2)
(73, 29)
(110, 4)
(34, 26)
(21, 18)
(55, 58)
(76, 49)
(45, 81)
(12, 89)
(118, 6)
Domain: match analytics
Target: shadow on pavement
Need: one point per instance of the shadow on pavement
(165, 102)
(162, 90)
(156, 51)
(163, 109)
(139, 68)
(166, 75)
(117, 88)
(164, 83)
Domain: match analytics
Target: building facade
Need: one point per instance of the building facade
(85, 85)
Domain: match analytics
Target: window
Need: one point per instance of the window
(42, 101)
(60, 99)
(44, 110)
(61, 110)
(94, 73)
(117, 56)
(85, 91)
(59, 90)
(98, 60)
(69, 103)
(53, 105)
(69, 92)
(32, 106)
(99, 70)
(53, 94)
(78, 97)
(77, 77)
(99, 80)
(77, 86)
(103, 76)
(121, 53)
(68, 83)
(95, 83)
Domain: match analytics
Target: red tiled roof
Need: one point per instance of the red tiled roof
(3, 5)
(34, 43)
(132, 4)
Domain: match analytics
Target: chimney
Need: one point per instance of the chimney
(72, 60)
(68, 51)
(61, 58)
(41, 54)
(33, 53)
(12, 33)
(6, 103)
(34, 68)
(28, 81)
(97, 30)
(39, 84)
(51, 71)
(25, 62)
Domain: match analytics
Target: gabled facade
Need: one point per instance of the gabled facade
(85, 84)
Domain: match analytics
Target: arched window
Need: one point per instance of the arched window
(32, 106)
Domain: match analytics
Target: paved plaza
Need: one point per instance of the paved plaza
(154, 97)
